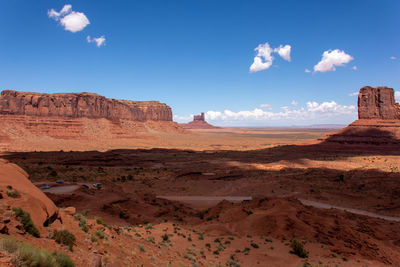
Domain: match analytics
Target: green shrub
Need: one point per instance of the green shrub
(232, 263)
(141, 247)
(165, 237)
(24, 254)
(85, 213)
(14, 193)
(9, 245)
(148, 226)
(99, 220)
(254, 245)
(64, 237)
(100, 234)
(63, 260)
(26, 221)
(298, 249)
(82, 222)
(93, 238)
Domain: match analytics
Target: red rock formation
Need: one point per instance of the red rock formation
(377, 103)
(378, 123)
(79, 105)
(31, 199)
(200, 117)
(199, 122)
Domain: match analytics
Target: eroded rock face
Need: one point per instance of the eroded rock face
(79, 105)
(377, 103)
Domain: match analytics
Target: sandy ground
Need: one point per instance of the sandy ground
(281, 166)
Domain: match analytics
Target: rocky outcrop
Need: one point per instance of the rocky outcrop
(378, 123)
(31, 199)
(199, 122)
(81, 105)
(377, 103)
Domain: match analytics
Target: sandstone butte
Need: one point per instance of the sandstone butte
(199, 122)
(378, 119)
(81, 105)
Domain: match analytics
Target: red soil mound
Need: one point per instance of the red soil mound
(343, 233)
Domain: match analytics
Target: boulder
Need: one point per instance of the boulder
(70, 210)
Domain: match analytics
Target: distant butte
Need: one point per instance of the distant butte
(199, 122)
(378, 119)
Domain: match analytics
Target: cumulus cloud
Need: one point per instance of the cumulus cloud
(284, 51)
(56, 15)
(99, 40)
(313, 109)
(313, 112)
(263, 60)
(266, 106)
(354, 68)
(259, 65)
(353, 94)
(397, 96)
(307, 71)
(332, 59)
(294, 103)
(184, 118)
(71, 20)
(392, 58)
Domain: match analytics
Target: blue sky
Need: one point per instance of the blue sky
(196, 55)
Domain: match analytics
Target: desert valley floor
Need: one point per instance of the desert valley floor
(226, 196)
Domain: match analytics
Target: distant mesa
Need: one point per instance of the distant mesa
(81, 105)
(378, 119)
(78, 121)
(199, 122)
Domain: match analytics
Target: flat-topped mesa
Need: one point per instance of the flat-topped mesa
(377, 103)
(81, 105)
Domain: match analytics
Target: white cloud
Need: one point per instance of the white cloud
(392, 58)
(56, 15)
(354, 67)
(307, 71)
(284, 51)
(99, 40)
(266, 106)
(353, 94)
(71, 20)
(294, 103)
(186, 118)
(313, 112)
(263, 60)
(259, 65)
(397, 95)
(74, 21)
(66, 9)
(332, 59)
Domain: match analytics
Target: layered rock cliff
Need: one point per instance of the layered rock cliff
(81, 105)
(378, 120)
(377, 103)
